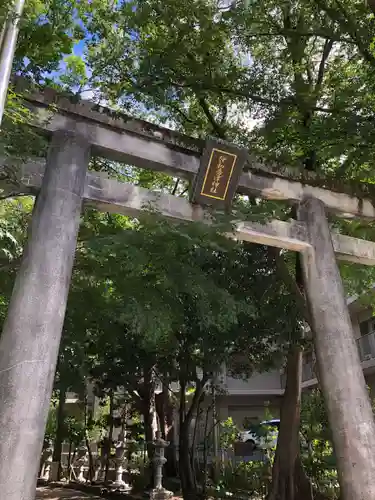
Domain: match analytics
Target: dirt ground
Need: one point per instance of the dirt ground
(44, 493)
(62, 494)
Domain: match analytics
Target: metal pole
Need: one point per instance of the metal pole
(8, 48)
(341, 375)
(29, 343)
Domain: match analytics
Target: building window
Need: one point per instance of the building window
(367, 326)
(366, 342)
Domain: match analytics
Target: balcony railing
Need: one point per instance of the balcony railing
(366, 346)
(307, 373)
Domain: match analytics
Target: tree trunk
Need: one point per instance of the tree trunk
(205, 451)
(148, 410)
(70, 455)
(148, 421)
(164, 409)
(110, 434)
(160, 411)
(289, 480)
(188, 485)
(91, 458)
(188, 482)
(170, 454)
(283, 480)
(87, 440)
(303, 487)
(60, 430)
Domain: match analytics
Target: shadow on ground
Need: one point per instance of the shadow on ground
(62, 494)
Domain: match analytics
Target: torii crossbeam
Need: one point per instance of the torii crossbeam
(30, 340)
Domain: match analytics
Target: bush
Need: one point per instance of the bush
(140, 473)
(317, 456)
(245, 477)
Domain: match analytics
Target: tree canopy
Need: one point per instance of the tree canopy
(286, 79)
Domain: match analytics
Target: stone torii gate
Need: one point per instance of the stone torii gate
(30, 339)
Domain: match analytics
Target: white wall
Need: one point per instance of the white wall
(258, 383)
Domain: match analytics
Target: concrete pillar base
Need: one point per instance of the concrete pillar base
(161, 494)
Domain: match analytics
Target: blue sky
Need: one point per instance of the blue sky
(79, 48)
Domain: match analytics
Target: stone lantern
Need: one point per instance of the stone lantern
(46, 462)
(81, 462)
(159, 460)
(105, 451)
(120, 461)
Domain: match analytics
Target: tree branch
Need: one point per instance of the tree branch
(196, 88)
(345, 22)
(197, 397)
(181, 113)
(215, 126)
(326, 52)
(264, 100)
(199, 86)
(224, 114)
(175, 187)
(184, 191)
(342, 169)
(291, 283)
(308, 34)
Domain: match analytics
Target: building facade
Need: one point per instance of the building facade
(247, 400)
(363, 320)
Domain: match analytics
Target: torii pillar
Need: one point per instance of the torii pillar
(29, 343)
(346, 396)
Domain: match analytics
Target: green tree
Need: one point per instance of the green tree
(14, 217)
(284, 79)
(49, 31)
(318, 456)
(177, 318)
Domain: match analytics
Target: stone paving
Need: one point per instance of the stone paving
(62, 494)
